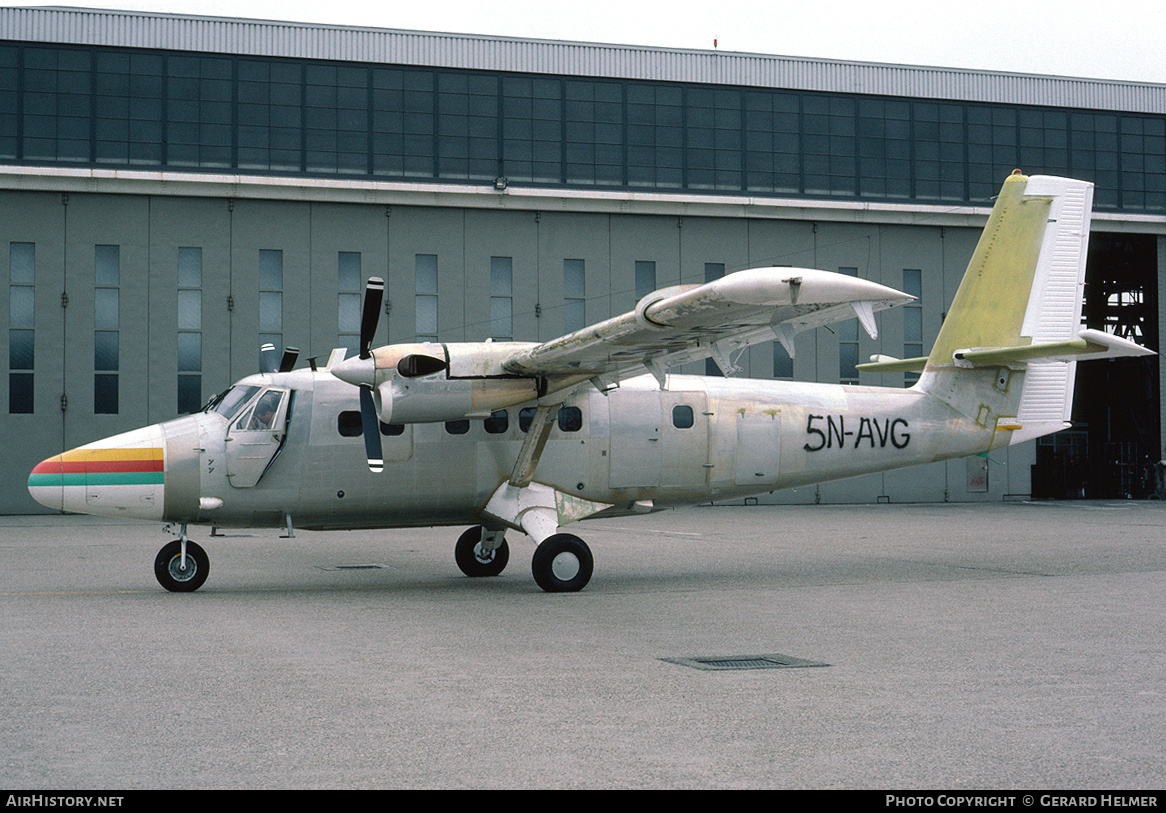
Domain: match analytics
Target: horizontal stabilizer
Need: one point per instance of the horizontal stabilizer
(890, 364)
(1090, 344)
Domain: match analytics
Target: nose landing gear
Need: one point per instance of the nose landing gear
(182, 566)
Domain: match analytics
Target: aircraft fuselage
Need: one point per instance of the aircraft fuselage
(636, 448)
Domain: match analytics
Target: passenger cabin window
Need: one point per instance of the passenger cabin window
(457, 427)
(682, 416)
(570, 419)
(497, 423)
(348, 424)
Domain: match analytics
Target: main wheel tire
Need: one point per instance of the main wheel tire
(476, 562)
(169, 570)
(562, 564)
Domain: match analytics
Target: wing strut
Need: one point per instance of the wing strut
(533, 508)
(533, 445)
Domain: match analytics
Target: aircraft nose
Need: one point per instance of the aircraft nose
(122, 476)
(46, 483)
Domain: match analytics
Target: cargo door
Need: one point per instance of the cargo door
(634, 417)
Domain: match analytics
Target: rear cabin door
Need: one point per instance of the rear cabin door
(758, 448)
(658, 438)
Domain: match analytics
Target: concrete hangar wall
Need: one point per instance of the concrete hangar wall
(149, 251)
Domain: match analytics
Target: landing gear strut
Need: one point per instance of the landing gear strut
(179, 572)
(478, 559)
(562, 564)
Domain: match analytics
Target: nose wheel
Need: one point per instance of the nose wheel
(179, 573)
(476, 559)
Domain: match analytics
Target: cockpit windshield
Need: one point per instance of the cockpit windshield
(230, 401)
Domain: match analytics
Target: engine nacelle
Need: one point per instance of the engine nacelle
(434, 383)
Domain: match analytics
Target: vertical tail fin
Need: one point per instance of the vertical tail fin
(1006, 355)
(1024, 288)
(1025, 282)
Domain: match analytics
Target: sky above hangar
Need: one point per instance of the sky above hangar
(1114, 40)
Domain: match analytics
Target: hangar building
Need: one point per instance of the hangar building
(176, 190)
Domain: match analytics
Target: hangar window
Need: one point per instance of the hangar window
(21, 335)
(574, 296)
(532, 130)
(912, 319)
(271, 299)
(713, 139)
(425, 275)
(402, 122)
(501, 298)
(189, 329)
(199, 112)
(467, 125)
(829, 144)
(106, 337)
(712, 273)
(348, 277)
(783, 364)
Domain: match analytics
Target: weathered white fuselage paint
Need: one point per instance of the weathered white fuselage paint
(636, 448)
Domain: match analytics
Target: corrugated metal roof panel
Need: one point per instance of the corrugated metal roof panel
(317, 41)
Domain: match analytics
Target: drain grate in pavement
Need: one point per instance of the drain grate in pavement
(773, 661)
(351, 567)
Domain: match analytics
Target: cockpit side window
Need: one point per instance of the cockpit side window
(261, 416)
(231, 400)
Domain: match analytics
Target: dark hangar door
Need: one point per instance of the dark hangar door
(1115, 442)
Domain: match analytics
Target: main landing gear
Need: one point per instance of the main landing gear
(562, 563)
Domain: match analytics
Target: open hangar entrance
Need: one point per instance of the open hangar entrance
(1114, 446)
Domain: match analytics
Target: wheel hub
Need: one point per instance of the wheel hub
(180, 574)
(565, 566)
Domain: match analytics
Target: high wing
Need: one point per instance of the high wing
(433, 382)
(716, 320)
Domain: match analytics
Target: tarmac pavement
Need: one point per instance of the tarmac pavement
(958, 646)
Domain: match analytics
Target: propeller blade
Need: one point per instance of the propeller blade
(268, 358)
(373, 292)
(372, 430)
(289, 359)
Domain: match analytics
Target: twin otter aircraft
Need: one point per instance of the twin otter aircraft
(531, 437)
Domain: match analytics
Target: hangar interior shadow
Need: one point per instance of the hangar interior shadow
(1113, 450)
